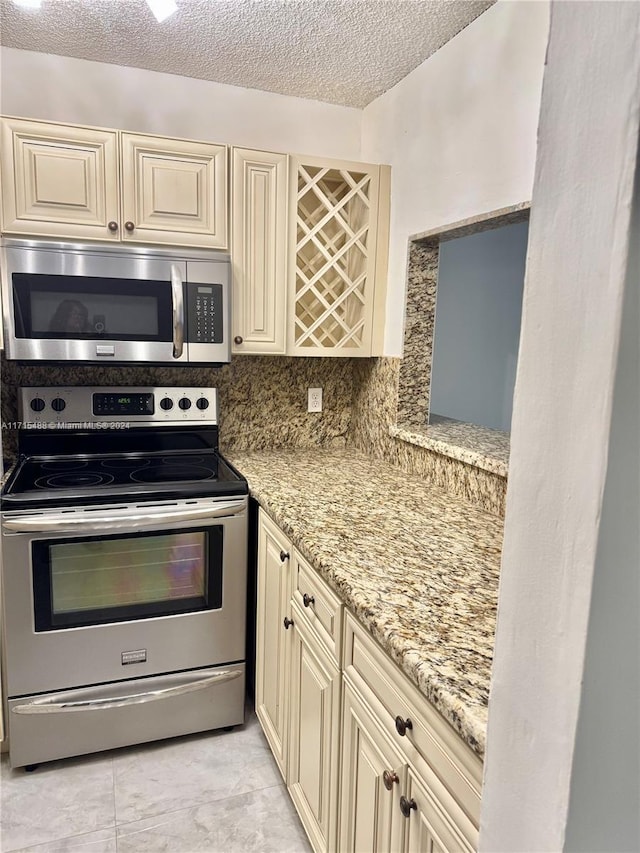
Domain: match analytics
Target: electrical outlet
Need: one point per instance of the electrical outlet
(314, 403)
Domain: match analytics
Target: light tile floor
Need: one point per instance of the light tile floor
(218, 792)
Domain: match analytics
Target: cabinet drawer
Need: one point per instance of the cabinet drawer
(320, 606)
(430, 744)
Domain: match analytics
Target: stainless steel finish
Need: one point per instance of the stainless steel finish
(177, 302)
(112, 261)
(65, 703)
(78, 409)
(105, 350)
(36, 737)
(83, 519)
(39, 662)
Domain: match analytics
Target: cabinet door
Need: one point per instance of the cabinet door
(370, 819)
(259, 251)
(174, 191)
(333, 271)
(429, 828)
(272, 639)
(314, 736)
(59, 180)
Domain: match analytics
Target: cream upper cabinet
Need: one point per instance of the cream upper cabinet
(310, 259)
(174, 191)
(338, 257)
(59, 180)
(90, 183)
(273, 638)
(259, 251)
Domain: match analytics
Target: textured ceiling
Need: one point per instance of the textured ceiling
(340, 51)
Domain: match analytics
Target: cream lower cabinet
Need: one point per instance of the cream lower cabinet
(272, 640)
(298, 680)
(329, 700)
(372, 777)
(73, 182)
(314, 734)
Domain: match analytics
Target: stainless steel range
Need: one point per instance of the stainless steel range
(124, 537)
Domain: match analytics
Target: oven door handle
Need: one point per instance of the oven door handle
(177, 303)
(117, 521)
(47, 706)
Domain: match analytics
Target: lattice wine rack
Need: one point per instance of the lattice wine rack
(336, 217)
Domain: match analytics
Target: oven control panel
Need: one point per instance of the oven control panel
(86, 407)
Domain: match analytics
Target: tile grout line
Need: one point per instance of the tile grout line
(198, 805)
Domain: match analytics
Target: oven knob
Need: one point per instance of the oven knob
(202, 403)
(184, 403)
(58, 404)
(166, 404)
(37, 404)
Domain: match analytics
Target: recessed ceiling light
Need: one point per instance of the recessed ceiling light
(162, 9)
(28, 4)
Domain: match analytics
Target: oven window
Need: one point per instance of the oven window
(95, 580)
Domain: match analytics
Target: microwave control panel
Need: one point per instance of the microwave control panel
(204, 313)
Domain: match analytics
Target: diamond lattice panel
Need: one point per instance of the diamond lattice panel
(332, 258)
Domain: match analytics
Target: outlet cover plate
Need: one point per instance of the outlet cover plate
(314, 403)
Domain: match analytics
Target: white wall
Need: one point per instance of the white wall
(550, 613)
(459, 133)
(58, 88)
(606, 766)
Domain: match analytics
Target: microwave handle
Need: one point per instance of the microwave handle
(177, 302)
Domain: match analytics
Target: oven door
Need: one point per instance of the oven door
(96, 595)
(88, 305)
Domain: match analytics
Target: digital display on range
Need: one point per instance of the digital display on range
(123, 404)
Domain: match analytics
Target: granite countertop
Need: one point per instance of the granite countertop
(417, 566)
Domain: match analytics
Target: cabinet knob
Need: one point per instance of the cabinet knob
(284, 555)
(112, 226)
(403, 725)
(307, 600)
(407, 806)
(390, 778)
(238, 339)
(287, 622)
(129, 226)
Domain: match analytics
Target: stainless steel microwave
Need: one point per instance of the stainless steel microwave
(114, 304)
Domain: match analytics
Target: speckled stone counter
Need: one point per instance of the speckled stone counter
(417, 566)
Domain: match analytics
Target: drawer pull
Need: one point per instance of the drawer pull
(129, 226)
(308, 600)
(112, 226)
(406, 806)
(403, 725)
(390, 778)
(287, 622)
(284, 555)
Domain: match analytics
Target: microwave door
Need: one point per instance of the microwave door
(97, 308)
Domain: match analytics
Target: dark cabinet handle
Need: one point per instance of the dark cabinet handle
(129, 226)
(237, 339)
(284, 555)
(403, 725)
(390, 778)
(308, 599)
(407, 806)
(112, 226)
(287, 623)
